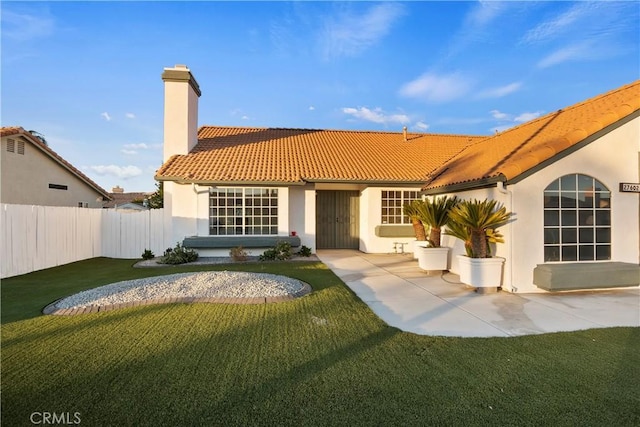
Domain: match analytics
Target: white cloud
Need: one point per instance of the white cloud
(421, 126)
(498, 115)
(106, 116)
(24, 27)
(376, 115)
(525, 117)
(560, 24)
(436, 88)
(311, 108)
(128, 152)
(130, 116)
(499, 92)
(574, 52)
(349, 34)
(122, 172)
(139, 146)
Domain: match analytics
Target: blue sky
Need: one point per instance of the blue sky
(86, 75)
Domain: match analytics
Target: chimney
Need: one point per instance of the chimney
(404, 133)
(181, 93)
(117, 189)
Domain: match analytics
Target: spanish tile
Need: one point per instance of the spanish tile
(271, 155)
(511, 153)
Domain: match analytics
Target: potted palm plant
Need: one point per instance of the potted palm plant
(475, 222)
(434, 214)
(412, 210)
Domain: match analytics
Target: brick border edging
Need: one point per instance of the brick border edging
(51, 309)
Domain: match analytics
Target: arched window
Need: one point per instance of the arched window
(577, 220)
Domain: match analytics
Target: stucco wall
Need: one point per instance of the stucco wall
(26, 178)
(371, 217)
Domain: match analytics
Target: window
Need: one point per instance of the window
(392, 202)
(243, 211)
(577, 220)
(83, 205)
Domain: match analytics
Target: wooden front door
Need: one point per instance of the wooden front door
(337, 219)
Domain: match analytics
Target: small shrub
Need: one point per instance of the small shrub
(147, 254)
(281, 251)
(304, 251)
(238, 254)
(179, 255)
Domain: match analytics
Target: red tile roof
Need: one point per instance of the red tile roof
(237, 155)
(512, 153)
(19, 131)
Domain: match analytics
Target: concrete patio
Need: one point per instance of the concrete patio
(408, 298)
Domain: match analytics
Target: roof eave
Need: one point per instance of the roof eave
(465, 186)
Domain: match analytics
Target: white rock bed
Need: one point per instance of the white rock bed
(212, 284)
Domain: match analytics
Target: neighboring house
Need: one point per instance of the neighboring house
(34, 174)
(229, 186)
(127, 201)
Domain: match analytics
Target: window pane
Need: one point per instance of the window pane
(554, 186)
(551, 199)
(569, 253)
(603, 235)
(551, 235)
(586, 201)
(551, 218)
(604, 200)
(586, 253)
(585, 217)
(586, 235)
(603, 217)
(585, 183)
(568, 183)
(568, 218)
(569, 235)
(600, 186)
(567, 200)
(551, 253)
(603, 252)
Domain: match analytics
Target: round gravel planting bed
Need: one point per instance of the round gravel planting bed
(213, 286)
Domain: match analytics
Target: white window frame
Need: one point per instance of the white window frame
(243, 211)
(577, 220)
(391, 205)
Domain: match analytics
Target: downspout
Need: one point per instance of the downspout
(503, 190)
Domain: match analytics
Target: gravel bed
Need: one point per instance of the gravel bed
(212, 284)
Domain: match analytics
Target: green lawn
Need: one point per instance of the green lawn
(324, 359)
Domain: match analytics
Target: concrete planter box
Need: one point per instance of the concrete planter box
(433, 258)
(418, 244)
(484, 274)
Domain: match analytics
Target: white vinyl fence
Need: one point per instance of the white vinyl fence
(38, 237)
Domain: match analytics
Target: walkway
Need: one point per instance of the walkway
(408, 298)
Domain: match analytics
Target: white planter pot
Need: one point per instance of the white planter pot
(433, 258)
(418, 244)
(485, 274)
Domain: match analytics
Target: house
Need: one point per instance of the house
(231, 186)
(34, 174)
(134, 201)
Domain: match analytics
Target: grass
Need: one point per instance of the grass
(324, 359)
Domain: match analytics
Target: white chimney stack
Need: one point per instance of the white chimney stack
(181, 93)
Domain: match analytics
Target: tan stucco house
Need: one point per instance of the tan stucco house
(34, 174)
(232, 186)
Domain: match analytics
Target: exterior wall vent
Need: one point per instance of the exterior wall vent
(20, 147)
(11, 145)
